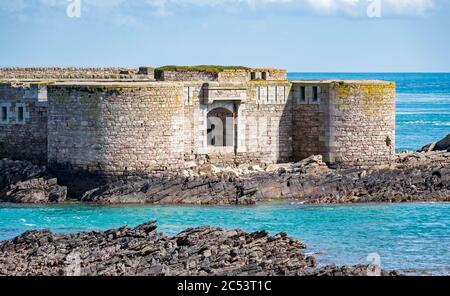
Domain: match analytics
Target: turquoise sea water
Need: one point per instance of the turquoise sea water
(406, 236)
(423, 104)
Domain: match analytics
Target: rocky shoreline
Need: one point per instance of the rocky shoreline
(23, 182)
(143, 251)
(421, 176)
(411, 177)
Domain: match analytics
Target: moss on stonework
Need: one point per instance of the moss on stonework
(214, 69)
(43, 83)
(260, 82)
(372, 97)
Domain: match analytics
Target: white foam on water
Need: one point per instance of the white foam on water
(425, 122)
(431, 112)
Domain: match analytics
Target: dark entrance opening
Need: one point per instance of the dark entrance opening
(220, 128)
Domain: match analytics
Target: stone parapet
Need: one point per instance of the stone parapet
(144, 73)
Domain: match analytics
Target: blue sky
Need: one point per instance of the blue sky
(299, 35)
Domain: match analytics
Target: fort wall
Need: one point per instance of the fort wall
(363, 129)
(237, 76)
(224, 76)
(76, 73)
(113, 128)
(269, 74)
(23, 122)
(177, 75)
(268, 123)
(311, 119)
(116, 130)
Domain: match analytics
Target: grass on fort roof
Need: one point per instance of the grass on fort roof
(202, 68)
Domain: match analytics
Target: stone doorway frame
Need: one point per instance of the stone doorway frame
(233, 107)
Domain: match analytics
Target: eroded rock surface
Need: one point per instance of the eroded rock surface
(144, 251)
(420, 176)
(201, 190)
(411, 177)
(442, 145)
(23, 182)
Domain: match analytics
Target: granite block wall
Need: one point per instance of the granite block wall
(363, 125)
(116, 130)
(267, 123)
(144, 73)
(23, 122)
(225, 76)
(186, 75)
(310, 120)
(263, 115)
(237, 76)
(270, 74)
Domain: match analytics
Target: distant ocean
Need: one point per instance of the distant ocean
(423, 104)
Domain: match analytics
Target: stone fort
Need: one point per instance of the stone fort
(115, 121)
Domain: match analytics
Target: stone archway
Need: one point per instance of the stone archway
(220, 128)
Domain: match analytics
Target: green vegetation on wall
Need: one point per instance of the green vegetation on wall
(202, 68)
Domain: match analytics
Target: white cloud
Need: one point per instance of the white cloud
(410, 7)
(354, 8)
(314, 7)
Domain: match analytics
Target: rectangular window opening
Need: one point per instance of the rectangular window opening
(20, 113)
(4, 114)
(264, 76)
(302, 94)
(315, 94)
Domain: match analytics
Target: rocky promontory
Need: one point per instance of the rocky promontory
(144, 251)
(23, 182)
(411, 177)
(442, 145)
(419, 176)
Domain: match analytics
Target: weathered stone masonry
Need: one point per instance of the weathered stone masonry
(112, 126)
(23, 122)
(115, 129)
(143, 73)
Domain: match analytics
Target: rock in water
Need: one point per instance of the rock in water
(442, 145)
(196, 190)
(210, 185)
(23, 182)
(412, 177)
(145, 252)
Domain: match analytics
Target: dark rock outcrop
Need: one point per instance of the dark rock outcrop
(144, 251)
(442, 145)
(23, 182)
(200, 190)
(208, 185)
(412, 177)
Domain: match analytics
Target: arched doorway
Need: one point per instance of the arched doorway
(220, 128)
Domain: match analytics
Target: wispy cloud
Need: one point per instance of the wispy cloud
(352, 8)
(313, 7)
